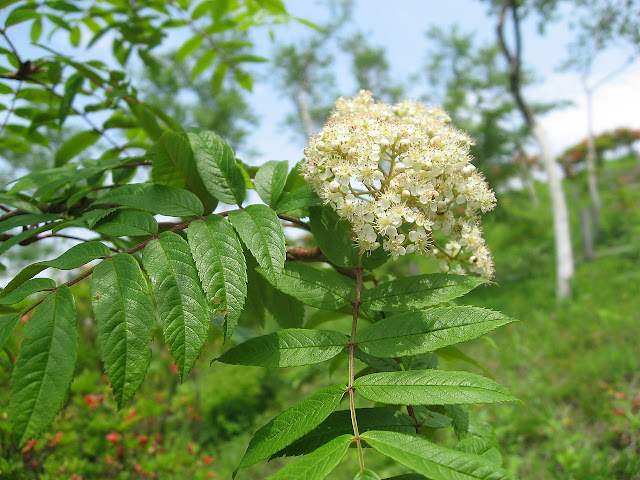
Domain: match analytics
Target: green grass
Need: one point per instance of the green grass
(575, 363)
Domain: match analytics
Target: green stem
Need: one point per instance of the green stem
(352, 358)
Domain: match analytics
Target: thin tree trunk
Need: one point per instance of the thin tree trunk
(594, 194)
(586, 232)
(303, 110)
(560, 212)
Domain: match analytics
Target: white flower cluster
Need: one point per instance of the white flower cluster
(402, 176)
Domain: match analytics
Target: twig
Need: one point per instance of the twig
(140, 246)
(412, 414)
(295, 221)
(13, 48)
(84, 115)
(352, 349)
(12, 106)
(299, 253)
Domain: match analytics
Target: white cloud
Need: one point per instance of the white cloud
(615, 104)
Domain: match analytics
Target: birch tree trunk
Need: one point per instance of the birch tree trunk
(594, 194)
(303, 110)
(560, 212)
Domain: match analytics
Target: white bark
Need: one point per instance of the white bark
(303, 109)
(560, 214)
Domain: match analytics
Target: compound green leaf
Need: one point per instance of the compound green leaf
(127, 223)
(221, 266)
(189, 47)
(76, 145)
(408, 476)
(181, 302)
(333, 236)
(260, 230)
(146, 118)
(295, 179)
(218, 77)
(25, 234)
(23, 291)
(285, 310)
(71, 87)
(318, 464)
(292, 424)
(460, 420)
(429, 418)
(414, 293)
(27, 219)
(316, 288)
(44, 368)
(7, 324)
(367, 474)
(174, 202)
(482, 447)
(75, 257)
(454, 354)
(22, 205)
(217, 166)
(287, 348)
(203, 63)
(339, 423)
(174, 165)
(378, 363)
(91, 217)
(124, 311)
(432, 460)
(430, 387)
(300, 198)
(270, 179)
(414, 333)
(21, 14)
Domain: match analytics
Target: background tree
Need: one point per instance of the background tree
(371, 69)
(600, 27)
(168, 84)
(474, 89)
(307, 74)
(304, 72)
(510, 10)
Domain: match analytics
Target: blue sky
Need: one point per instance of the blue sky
(400, 26)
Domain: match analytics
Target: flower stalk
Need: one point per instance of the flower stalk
(352, 359)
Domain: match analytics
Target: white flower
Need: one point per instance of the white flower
(404, 174)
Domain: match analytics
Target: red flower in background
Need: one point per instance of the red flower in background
(93, 400)
(53, 441)
(29, 446)
(113, 437)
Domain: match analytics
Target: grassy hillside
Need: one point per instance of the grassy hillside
(575, 363)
